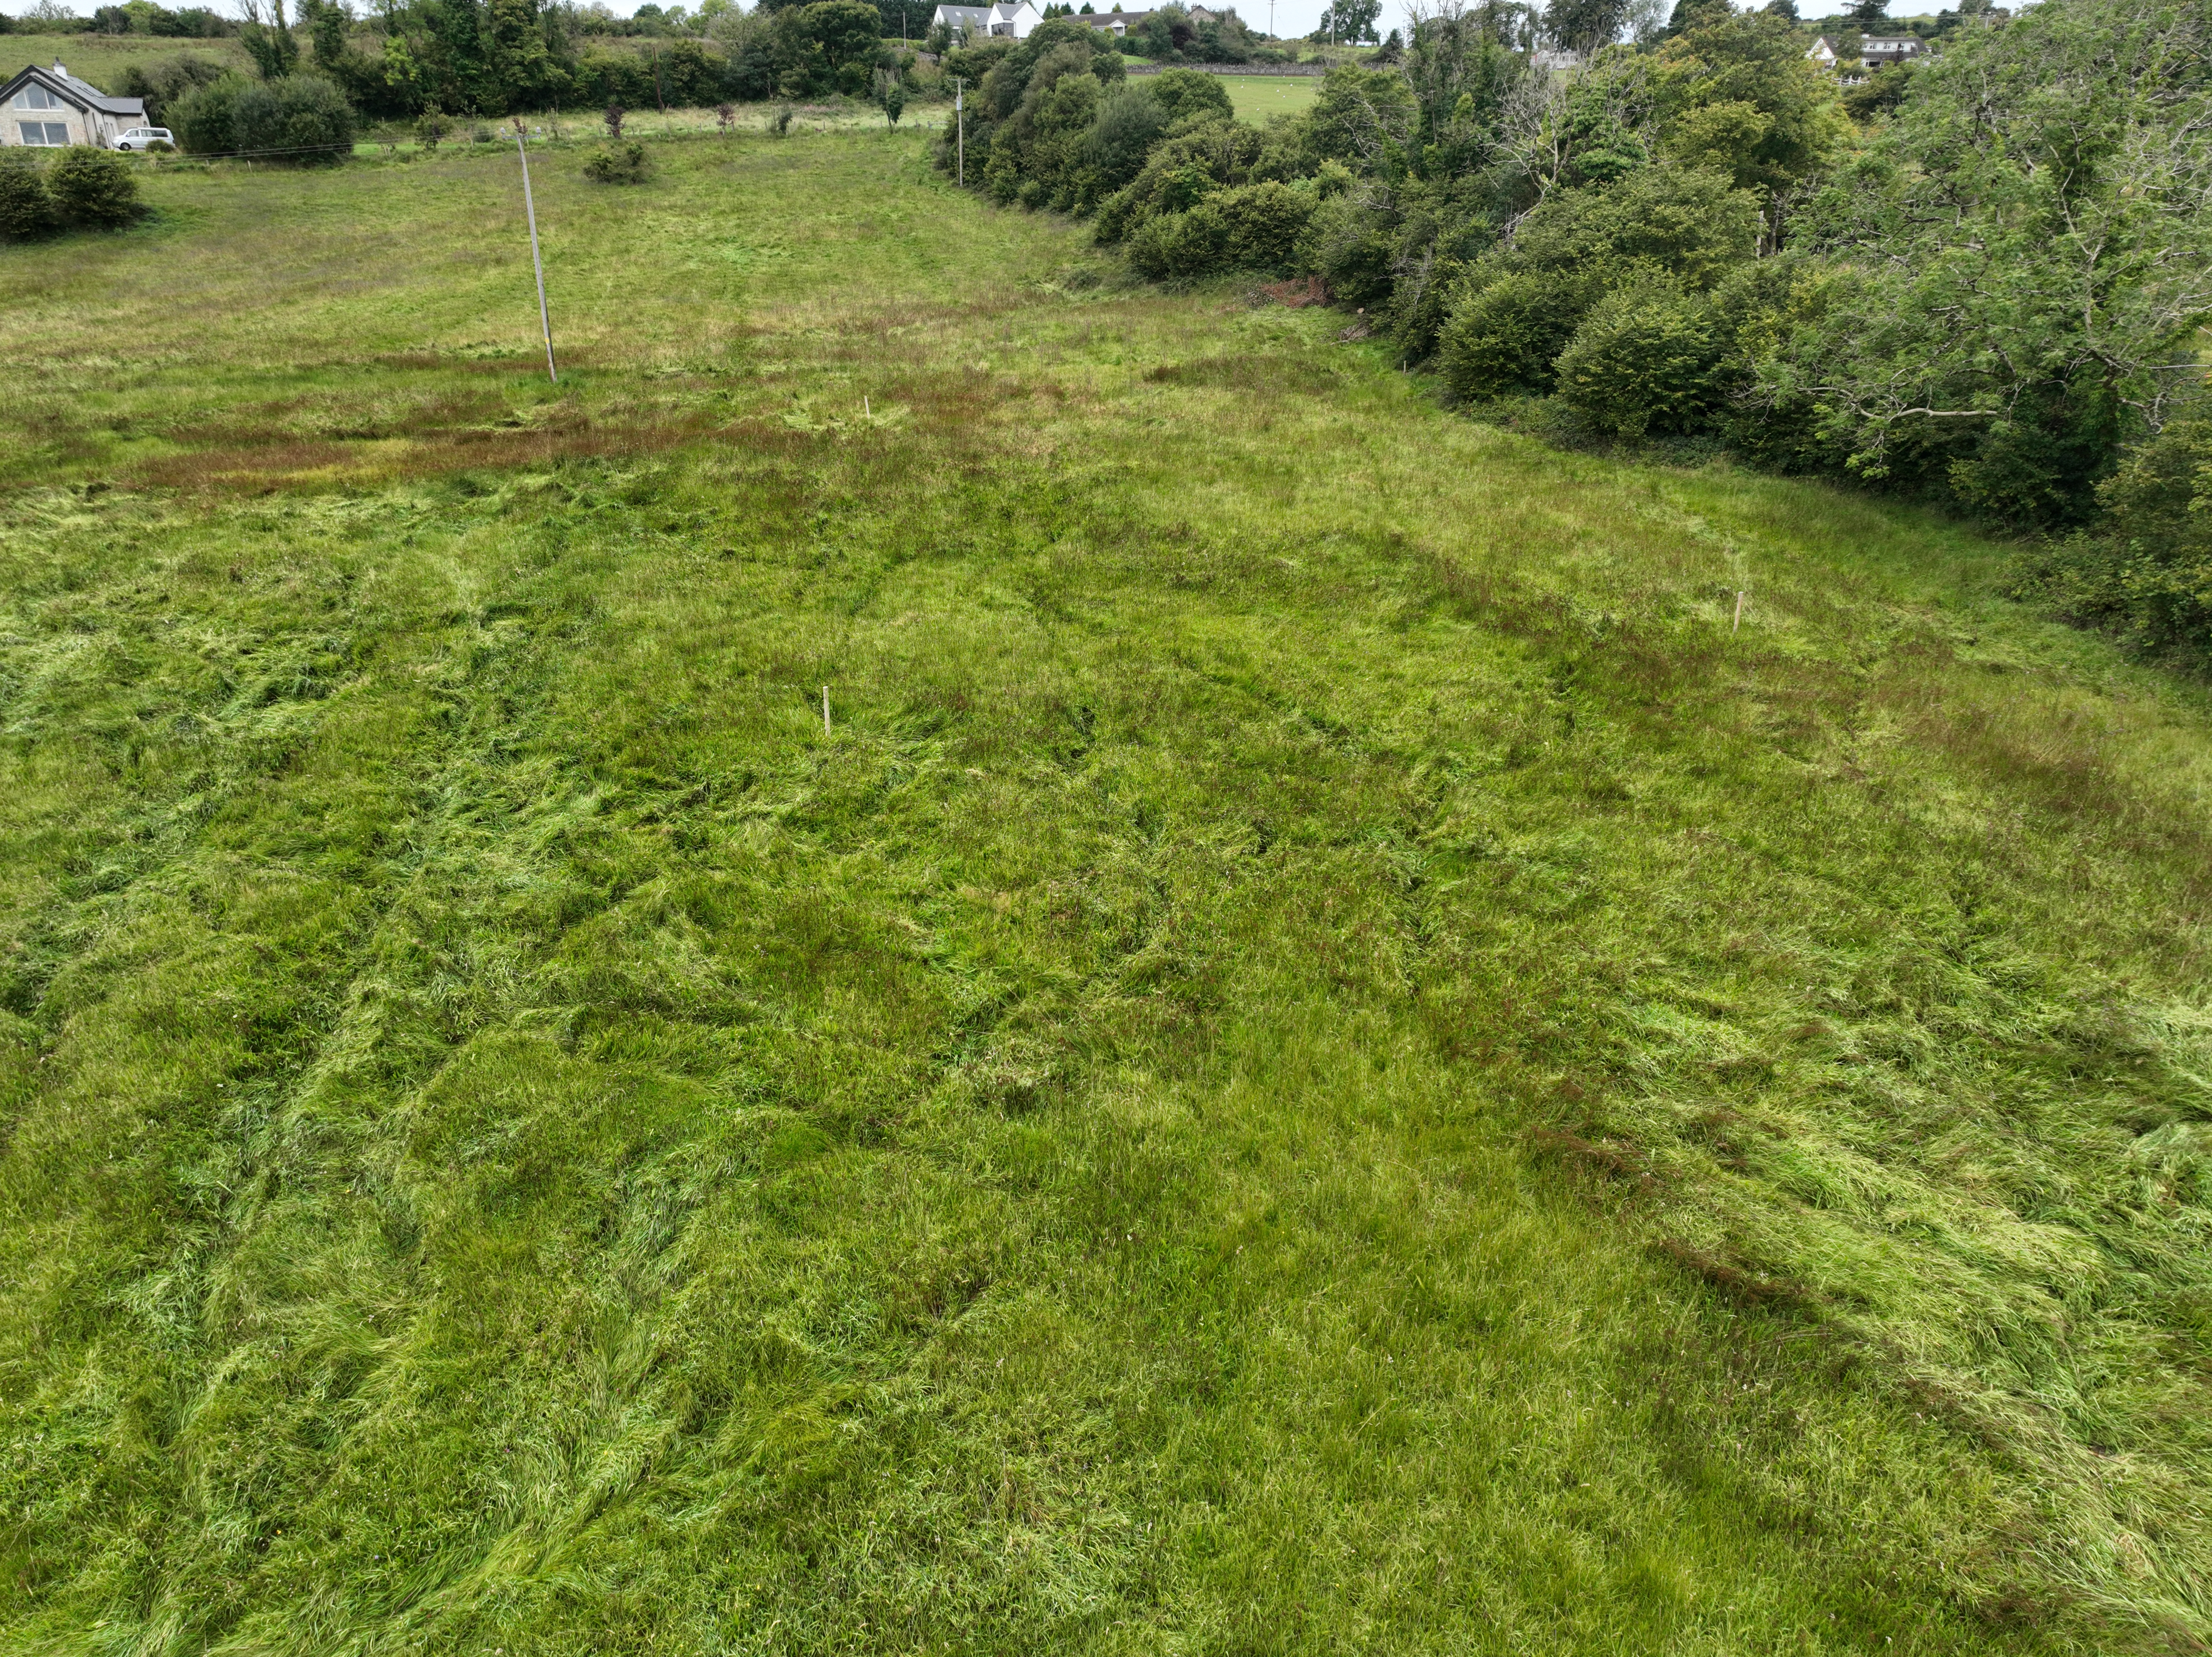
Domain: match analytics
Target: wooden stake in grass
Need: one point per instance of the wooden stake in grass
(530, 211)
(825, 710)
(1734, 630)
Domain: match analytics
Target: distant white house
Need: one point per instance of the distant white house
(1009, 19)
(1118, 22)
(48, 108)
(1875, 51)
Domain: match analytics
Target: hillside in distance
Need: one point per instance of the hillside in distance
(1332, 1047)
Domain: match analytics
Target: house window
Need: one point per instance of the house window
(43, 134)
(36, 97)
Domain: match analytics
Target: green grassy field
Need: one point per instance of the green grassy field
(99, 59)
(1255, 97)
(1322, 1056)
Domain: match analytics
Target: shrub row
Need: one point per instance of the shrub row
(83, 189)
(301, 119)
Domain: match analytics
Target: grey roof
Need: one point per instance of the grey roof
(82, 93)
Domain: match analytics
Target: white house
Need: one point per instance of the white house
(1875, 51)
(1115, 22)
(50, 107)
(1118, 21)
(1011, 19)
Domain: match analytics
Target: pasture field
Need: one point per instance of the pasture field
(1323, 1055)
(1255, 97)
(101, 58)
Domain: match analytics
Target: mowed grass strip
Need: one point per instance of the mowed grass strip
(1320, 1055)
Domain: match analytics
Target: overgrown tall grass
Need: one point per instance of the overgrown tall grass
(1323, 1055)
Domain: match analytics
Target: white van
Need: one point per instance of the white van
(143, 137)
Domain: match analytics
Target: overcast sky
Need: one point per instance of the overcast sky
(1290, 16)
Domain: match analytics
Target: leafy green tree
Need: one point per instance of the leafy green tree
(1187, 96)
(1584, 25)
(1180, 172)
(1059, 46)
(529, 75)
(268, 39)
(1880, 94)
(848, 32)
(1698, 13)
(1348, 21)
(1131, 120)
(1737, 94)
(1037, 154)
(1165, 35)
(1364, 118)
(1460, 66)
(2020, 260)
(1558, 132)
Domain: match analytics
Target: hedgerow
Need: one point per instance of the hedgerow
(1986, 295)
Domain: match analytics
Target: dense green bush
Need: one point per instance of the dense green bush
(1131, 120)
(1177, 246)
(1256, 227)
(205, 119)
(1502, 337)
(1520, 303)
(1367, 119)
(1200, 159)
(26, 210)
(1031, 123)
(1265, 222)
(2146, 569)
(302, 120)
(1186, 95)
(1350, 248)
(1039, 153)
(620, 163)
(1645, 359)
(94, 189)
(83, 189)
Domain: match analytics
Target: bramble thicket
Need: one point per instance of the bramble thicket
(1987, 290)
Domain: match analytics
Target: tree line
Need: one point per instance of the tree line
(319, 71)
(1984, 286)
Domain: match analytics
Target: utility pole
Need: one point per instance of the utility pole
(960, 126)
(530, 211)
